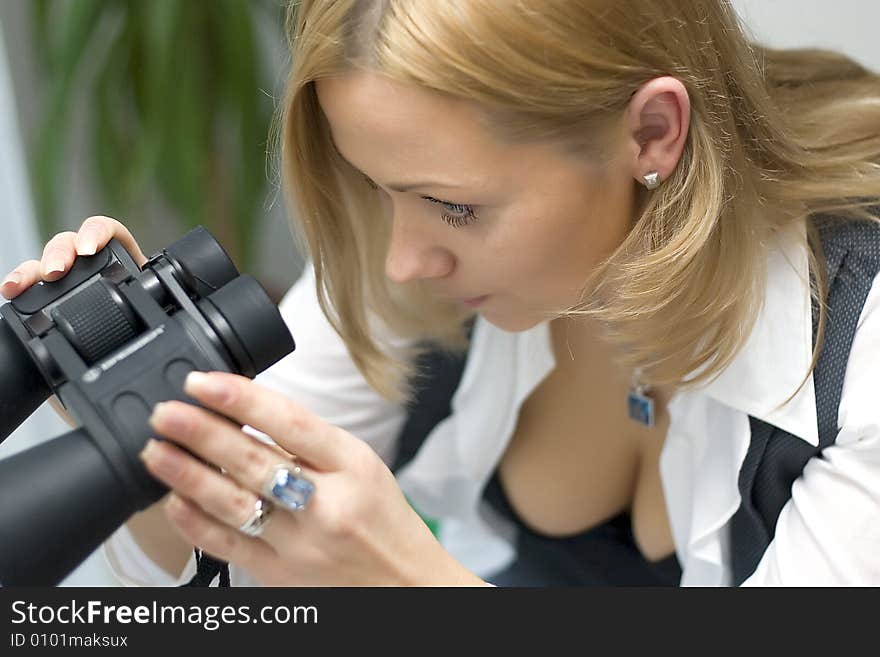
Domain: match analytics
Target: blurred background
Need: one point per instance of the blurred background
(157, 113)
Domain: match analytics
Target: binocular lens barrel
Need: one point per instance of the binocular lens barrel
(250, 326)
(203, 262)
(61, 501)
(22, 386)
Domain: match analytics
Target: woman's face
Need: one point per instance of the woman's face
(522, 225)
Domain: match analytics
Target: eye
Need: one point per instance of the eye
(458, 216)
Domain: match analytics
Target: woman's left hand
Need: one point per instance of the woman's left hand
(357, 528)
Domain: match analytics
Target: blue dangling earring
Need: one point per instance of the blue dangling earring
(639, 404)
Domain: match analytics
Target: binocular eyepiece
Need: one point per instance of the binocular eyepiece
(111, 340)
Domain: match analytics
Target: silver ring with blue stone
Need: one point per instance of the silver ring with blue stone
(287, 487)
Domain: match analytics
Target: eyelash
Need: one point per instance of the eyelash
(462, 214)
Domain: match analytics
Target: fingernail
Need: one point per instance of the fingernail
(166, 417)
(87, 247)
(12, 277)
(160, 459)
(54, 266)
(204, 385)
(156, 415)
(148, 453)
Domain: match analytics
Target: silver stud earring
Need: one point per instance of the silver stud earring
(652, 180)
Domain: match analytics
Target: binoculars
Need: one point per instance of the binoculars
(111, 340)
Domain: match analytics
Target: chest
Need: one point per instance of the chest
(576, 459)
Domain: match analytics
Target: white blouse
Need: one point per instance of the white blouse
(828, 533)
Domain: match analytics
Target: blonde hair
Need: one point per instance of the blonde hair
(775, 137)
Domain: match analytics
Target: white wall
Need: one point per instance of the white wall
(849, 26)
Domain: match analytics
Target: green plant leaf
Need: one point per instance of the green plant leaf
(186, 152)
(110, 139)
(78, 25)
(156, 28)
(175, 105)
(40, 21)
(240, 57)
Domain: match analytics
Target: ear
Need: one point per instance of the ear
(657, 120)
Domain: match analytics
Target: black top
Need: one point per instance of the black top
(604, 555)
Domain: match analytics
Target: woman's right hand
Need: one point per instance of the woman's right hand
(57, 259)
(60, 251)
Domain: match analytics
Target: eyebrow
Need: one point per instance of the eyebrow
(399, 187)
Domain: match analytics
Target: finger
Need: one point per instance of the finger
(217, 539)
(58, 256)
(222, 443)
(20, 279)
(219, 496)
(293, 427)
(95, 232)
(259, 436)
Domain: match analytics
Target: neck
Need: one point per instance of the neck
(579, 344)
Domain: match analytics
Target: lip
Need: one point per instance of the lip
(474, 301)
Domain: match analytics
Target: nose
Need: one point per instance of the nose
(413, 254)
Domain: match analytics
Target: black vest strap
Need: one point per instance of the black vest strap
(775, 457)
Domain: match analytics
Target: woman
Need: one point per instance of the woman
(613, 207)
